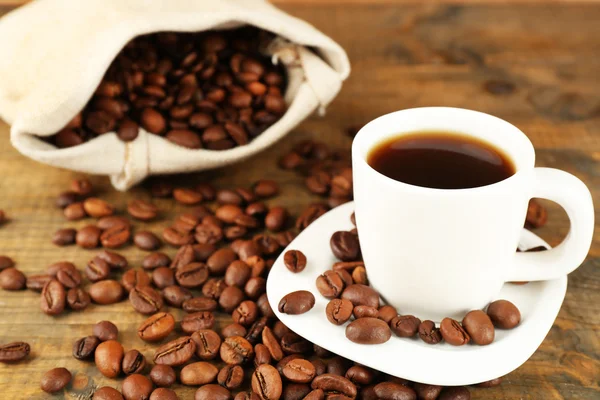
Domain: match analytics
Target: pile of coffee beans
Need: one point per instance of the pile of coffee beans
(226, 243)
(213, 90)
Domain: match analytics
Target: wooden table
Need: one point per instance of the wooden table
(534, 65)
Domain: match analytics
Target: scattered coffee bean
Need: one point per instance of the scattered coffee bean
(198, 373)
(334, 384)
(105, 330)
(106, 292)
(133, 278)
(233, 330)
(107, 393)
(66, 198)
(64, 237)
(294, 260)
(54, 297)
(115, 237)
(145, 240)
(88, 237)
(112, 221)
(12, 279)
(85, 347)
(267, 383)
(163, 375)
(163, 277)
(427, 392)
(96, 270)
(156, 327)
(15, 351)
(55, 380)
(37, 282)
(163, 394)
(74, 211)
(108, 357)
(504, 314)
(265, 188)
(156, 260)
(136, 386)
(134, 362)
(176, 295)
(176, 352)
(145, 300)
(297, 302)
(231, 376)
(236, 350)
(192, 275)
(142, 210)
(368, 331)
(82, 187)
(6, 262)
(97, 208)
(114, 260)
(212, 392)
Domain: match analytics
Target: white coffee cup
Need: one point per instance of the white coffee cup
(438, 253)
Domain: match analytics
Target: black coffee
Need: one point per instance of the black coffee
(441, 160)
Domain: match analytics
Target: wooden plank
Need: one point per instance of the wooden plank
(535, 66)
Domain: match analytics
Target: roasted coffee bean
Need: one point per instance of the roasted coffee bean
(74, 211)
(152, 121)
(192, 275)
(394, 391)
(114, 260)
(297, 302)
(208, 233)
(295, 391)
(207, 342)
(184, 256)
(186, 222)
(12, 279)
(257, 210)
(237, 274)
(230, 298)
(109, 356)
(97, 208)
(317, 394)
(360, 375)
(133, 278)
(96, 270)
(100, 122)
(257, 265)
(236, 350)
(299, 371)
(107, 393)
(161, 189)
(319, 182)
(338, 366)
(146, 240)
(536, 215)
(267, 244)
(156, 327)
(105, 330)
(196, 321)
(479, 326)
(368, 330)
(156, 260)
(55, 380)
(163, 394)
(128, 130)
(346, 277)
(504, 314)
(455, 393)
(359, 275)
(293, 343)
(255, 287)
(330, 284)
(226, 196)
(6, 262)
(453, 333)
(184, 138)
(36, 282)
(53, 269)
(231, 376)
(163, 277)
(15, 351)
(88, 237)
(142, 210)
(82, 187)
(361, 295)
(264, 306)
(345, 246)
(405, 325)
(491, 383)
(134, 362)
(145, 300)
(294, 260)
(198, 373)
(176, 352)
(429, 333)
(246, 313)
(176, 238)
(266, 382)
(338, 311)
(176, 295)
(219, 261)
(197, 304)
(106, 292)
(321, 352)
(85, 347)
(387, 313)
(163, 375)
(334, 384)
(281, 364)
(213, 288)
(53, 297)
(233, 330)
(64, 237)
(365, 311)
(115, 237)
(249, 249)
(254, 333)
(136, 387)
(265, 188)
(212, 392)
(66, 198)
(112, 221)
(272, 344)
(276, 218)
(427, 392)
(187, 196)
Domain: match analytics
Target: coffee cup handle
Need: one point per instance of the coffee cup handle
(571, 194)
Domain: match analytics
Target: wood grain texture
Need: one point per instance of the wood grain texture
(535, 66)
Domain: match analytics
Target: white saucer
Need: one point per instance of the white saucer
(441, 364)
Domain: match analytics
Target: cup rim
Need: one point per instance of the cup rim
(357, 157)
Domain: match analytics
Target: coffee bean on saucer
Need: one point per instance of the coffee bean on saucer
(345, 246)
(405, 325)
(330, 284)
(429, 333)
(294, 260)
(455, 393)
(368, 330)
(297, 302)
(55, 380)
(361, 295)
(504, 314)
(479, 325)
(453, 333)
(338, 311)
(387, 313)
